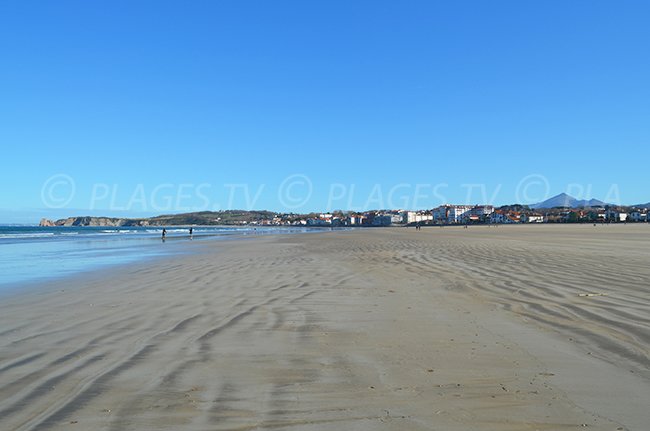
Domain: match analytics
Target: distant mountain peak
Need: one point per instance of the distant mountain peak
(568, 201)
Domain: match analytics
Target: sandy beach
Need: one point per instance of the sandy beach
(487, 328)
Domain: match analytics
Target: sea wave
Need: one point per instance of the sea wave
(27, 235)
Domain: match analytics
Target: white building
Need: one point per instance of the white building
(461, 213)
(418, 217)
(354, 220)
(481, 212)
(451, 213)
(501, 217)
(532, 218)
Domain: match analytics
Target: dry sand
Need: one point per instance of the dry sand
(382, 329)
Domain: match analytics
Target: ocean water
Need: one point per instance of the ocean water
(34, 253)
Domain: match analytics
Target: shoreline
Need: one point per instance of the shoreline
(203, 244)
(371, 329)
(92, 253)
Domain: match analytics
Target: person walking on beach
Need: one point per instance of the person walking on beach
(191, 230)
(164, 234)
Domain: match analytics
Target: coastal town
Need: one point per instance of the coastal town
(450, 214)
(443, 215)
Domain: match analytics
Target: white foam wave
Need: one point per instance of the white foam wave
(26, 235)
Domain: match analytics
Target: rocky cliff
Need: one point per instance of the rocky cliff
(198, 218)
(46, 223)
(94, 221)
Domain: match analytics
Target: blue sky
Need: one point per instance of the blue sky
(137, 108)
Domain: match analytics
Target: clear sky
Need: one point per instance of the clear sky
(137, 107)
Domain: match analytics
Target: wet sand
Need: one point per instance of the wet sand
(508, 328)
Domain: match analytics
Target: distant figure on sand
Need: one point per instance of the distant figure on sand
(164, 234)
(191, 230)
